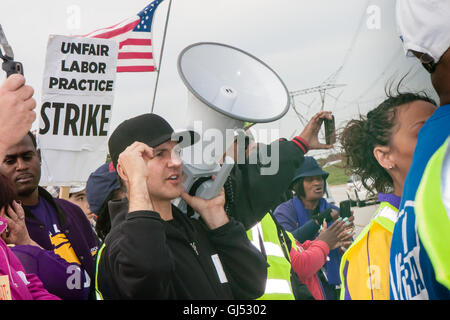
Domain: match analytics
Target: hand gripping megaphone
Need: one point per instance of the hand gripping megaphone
(226, 88)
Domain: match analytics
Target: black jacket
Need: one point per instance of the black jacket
(250, 195)
(146, 257)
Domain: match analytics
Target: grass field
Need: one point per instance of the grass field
(337, 175)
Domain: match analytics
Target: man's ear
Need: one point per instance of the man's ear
(382, 154)
(121, 173)
(38, 152)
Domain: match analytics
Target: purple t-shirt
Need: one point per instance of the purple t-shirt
(48, 216)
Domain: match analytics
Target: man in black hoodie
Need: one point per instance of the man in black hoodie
(153, 250)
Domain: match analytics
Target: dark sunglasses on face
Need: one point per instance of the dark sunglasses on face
(426, 60)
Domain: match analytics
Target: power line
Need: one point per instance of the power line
(353, 41)
(395, 56)
(320, 88)
(330, 82)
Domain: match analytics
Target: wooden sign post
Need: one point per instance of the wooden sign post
(64, 193)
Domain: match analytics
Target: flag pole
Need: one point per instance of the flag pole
(160, 56)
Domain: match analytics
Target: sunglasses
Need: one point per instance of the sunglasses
(426, 60)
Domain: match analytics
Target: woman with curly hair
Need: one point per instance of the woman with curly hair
(379, 148)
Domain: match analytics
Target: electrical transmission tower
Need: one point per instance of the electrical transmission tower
(321, 89)
(328, 84)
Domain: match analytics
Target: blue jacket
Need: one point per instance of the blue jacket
(293, 216)
(412, 275)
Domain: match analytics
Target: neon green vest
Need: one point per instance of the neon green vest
(278, 285)
(364, 266)
(98, 294)
(433, 214)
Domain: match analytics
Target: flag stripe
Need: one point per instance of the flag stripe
(136, 49)
(102, 30)
(135, 42)
(135, 55)
(116, 32)
(135, 62)
(140, 35)
(136, 69)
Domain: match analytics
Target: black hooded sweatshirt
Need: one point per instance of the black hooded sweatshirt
(146, 257)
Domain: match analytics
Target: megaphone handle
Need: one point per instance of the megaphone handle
(218, 183)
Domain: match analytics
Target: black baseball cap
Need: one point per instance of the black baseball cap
(148, 128)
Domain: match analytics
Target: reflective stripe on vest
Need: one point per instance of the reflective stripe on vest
(272, 249)
(278, 285)
(433, 214)
(98, 294)
(364, 266)
(388, 213)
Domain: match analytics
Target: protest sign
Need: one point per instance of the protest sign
(77, 93)
(76, 108)
(68, 168)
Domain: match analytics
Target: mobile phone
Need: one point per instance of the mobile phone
(344, 209)
(330, 131)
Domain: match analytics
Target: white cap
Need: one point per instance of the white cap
(424, 26)
(75, 189)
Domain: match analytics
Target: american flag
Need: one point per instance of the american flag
(135, 40)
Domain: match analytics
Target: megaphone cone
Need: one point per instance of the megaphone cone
(227, 87)
(233, 82)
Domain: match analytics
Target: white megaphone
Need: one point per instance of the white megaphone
(226, 88)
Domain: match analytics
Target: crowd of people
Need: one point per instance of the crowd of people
(119, 236)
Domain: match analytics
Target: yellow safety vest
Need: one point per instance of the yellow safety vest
(278, 285)
(364, 266)
(433, 215)
(98, 294)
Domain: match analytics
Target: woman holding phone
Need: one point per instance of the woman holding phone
(306, 212)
